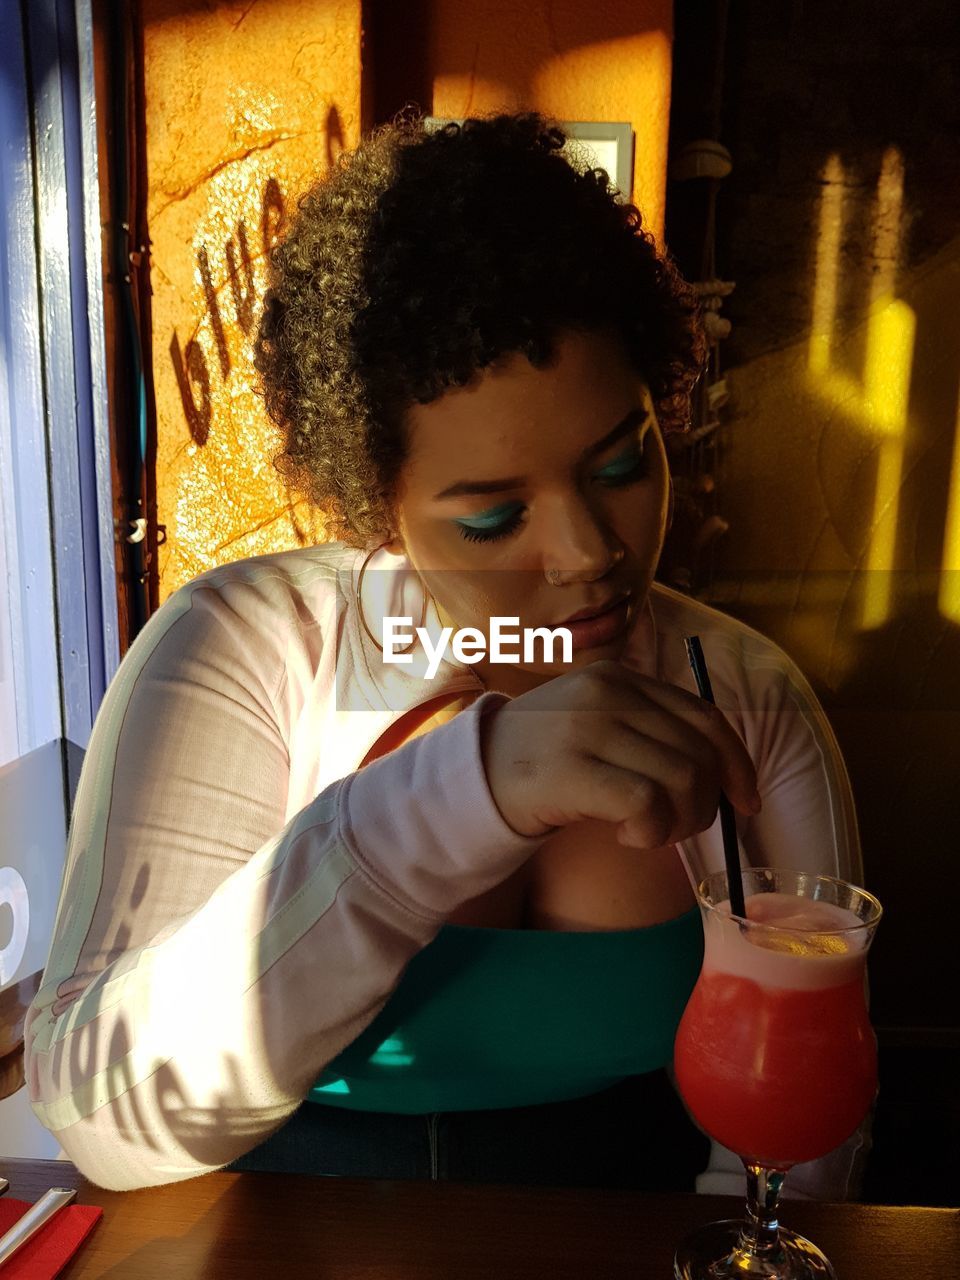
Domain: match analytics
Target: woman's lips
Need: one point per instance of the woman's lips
(600, 629)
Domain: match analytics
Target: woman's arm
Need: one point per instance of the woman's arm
(209, 954)
(808, 818)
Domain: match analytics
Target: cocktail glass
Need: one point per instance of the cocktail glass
(775, 1057)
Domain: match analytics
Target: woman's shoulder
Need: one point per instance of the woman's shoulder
(312, 580)
(261, 603)
(737, 655)
(326, 562)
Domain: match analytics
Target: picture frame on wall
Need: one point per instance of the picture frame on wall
(608, 144)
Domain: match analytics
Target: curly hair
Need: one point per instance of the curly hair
(420, 259)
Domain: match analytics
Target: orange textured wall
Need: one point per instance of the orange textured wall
(245, 105)
(607, 60)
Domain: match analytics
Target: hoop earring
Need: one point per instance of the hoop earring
(363, 621)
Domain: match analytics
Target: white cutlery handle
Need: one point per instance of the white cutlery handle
(50, 1202)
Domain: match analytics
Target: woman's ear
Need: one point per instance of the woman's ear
(395, 545)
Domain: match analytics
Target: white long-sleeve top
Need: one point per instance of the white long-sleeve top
(241, 897)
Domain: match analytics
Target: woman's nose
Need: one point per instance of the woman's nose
(578, 546)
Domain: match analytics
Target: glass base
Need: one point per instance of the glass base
(711, 1254)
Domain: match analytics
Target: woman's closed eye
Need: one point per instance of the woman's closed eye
(487, 526)
(625, 468)
(501, 521)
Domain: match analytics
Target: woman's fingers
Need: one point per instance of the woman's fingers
(737, 775)
(686, 772)
(609, 744)
(636, 804)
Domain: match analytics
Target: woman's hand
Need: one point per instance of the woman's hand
(604, 742)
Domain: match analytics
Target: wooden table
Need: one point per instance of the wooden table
(261, 1225)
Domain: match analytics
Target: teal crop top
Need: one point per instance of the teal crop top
(491, 1018)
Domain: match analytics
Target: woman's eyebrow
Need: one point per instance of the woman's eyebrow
(632, 422)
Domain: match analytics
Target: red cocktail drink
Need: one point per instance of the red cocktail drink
(775, 1056)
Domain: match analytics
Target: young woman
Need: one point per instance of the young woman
(456, 903)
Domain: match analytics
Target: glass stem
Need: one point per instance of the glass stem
(759, 1236)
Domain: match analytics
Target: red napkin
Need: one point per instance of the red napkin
(48, 1252)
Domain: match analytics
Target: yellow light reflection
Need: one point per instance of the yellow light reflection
(886, 391)
(880, 401)
(828, 253)
(949, 595)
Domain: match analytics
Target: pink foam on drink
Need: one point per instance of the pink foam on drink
(792, 943)
(786, 911)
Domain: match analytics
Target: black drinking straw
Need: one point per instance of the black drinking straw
(728, 824)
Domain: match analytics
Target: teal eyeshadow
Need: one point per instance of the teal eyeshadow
(626, 462)
(490, 519)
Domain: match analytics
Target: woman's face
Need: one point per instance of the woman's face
(538, 494)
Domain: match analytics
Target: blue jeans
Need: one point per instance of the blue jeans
(633, 1135)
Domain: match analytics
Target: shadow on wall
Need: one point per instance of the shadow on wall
(895, 694)
(843, 481)
(497, 52)
(609, 62)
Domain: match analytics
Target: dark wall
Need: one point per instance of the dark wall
(836, 465)
(805, 79)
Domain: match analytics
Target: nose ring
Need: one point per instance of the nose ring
(555, 576)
